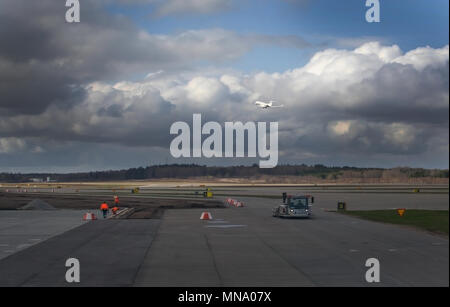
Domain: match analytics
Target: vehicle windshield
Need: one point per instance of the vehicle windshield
(299, 203)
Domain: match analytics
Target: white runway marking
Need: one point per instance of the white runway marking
(20, 246)
(225, 226)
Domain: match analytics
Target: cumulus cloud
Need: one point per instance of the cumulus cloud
(106, 47)
(422, 58)
(362, 100)
(61, 98)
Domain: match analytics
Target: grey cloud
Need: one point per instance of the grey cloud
(401, 93)
(114, 110)
(386, 114)
(46, 61)
(59, 92)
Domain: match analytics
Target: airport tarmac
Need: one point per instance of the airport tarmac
(243, 247)
(20, 229)
(109, 251)
(248, 247)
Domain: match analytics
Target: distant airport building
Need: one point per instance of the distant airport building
(36, 179)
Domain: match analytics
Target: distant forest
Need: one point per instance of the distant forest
(177, 171)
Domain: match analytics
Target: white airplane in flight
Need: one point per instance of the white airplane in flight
(266, 105)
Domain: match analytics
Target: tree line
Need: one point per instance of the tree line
(182, 171)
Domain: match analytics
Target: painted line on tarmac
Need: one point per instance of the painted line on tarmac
(119, 213)
(22, 246)
(225, 226)
(217, 222)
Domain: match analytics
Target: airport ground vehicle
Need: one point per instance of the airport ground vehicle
(294, 206)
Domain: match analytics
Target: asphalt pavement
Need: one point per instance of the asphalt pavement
(239, 247)
(248, 247)
(110, 253)
(20, 229)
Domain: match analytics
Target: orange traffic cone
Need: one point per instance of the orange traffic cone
(206, 216)
(239, 204)
(89, 216)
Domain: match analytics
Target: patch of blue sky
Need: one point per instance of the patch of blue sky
(325, 23)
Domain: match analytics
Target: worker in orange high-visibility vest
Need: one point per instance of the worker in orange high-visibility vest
(104, 208)
(116, 200)
(114, 210)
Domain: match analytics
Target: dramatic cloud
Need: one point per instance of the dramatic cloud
(103, 93)
(342, 101)
(42, 64)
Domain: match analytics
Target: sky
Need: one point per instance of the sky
(102, 93)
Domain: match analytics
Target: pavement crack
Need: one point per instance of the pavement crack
(214, 260)
(307, 276)
(133, 283)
